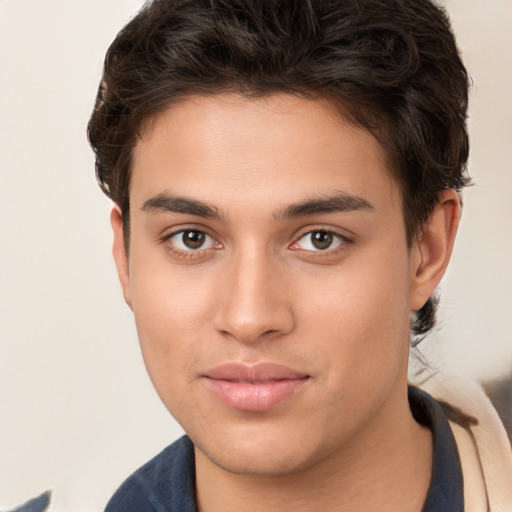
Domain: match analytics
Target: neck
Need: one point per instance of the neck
(385, 467)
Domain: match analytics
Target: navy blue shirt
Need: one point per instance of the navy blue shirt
(167, 482)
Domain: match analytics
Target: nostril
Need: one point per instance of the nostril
(251, 310)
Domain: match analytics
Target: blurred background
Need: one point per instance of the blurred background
(77, 411)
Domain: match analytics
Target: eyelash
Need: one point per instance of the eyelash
(184, 253)
(342, 240)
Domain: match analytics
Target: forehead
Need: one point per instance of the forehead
(211, 146)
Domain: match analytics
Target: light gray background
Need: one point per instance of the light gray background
(77, 411)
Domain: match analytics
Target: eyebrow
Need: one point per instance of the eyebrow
(338, 203)
(166, 203)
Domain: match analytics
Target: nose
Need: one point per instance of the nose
(254, 302)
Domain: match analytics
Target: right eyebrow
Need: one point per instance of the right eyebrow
(166, 203)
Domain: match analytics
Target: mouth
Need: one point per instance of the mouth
(256, 388)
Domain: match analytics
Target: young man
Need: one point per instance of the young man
(286, 179)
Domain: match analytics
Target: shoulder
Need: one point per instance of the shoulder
(482, 443)
(163, 484)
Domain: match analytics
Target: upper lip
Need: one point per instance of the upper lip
(264, 371)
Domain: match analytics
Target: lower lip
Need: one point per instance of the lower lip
(255, 396)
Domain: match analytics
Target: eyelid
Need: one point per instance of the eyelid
(165, 240)
(207, 243)
(170, 231)
(343, 239)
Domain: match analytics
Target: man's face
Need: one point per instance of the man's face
(270, 279)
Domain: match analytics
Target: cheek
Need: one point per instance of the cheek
(171, 317)
(361, 314)
(164, 309)
(166, 299)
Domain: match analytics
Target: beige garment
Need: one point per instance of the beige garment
(484, 448)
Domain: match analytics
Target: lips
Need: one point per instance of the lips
(259, 387)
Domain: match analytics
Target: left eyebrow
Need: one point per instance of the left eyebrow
(338, 203)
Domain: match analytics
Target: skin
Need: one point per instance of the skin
(258, 289)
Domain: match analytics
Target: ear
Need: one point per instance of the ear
(120, 253)
(432, 250)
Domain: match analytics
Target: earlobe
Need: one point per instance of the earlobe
(120, 253)
(432, 250)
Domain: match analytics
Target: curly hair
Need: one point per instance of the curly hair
(390, 66)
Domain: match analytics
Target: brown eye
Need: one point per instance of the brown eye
(191, 240)
(320, 240)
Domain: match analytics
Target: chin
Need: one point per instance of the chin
(259, 451)
(261, 463)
